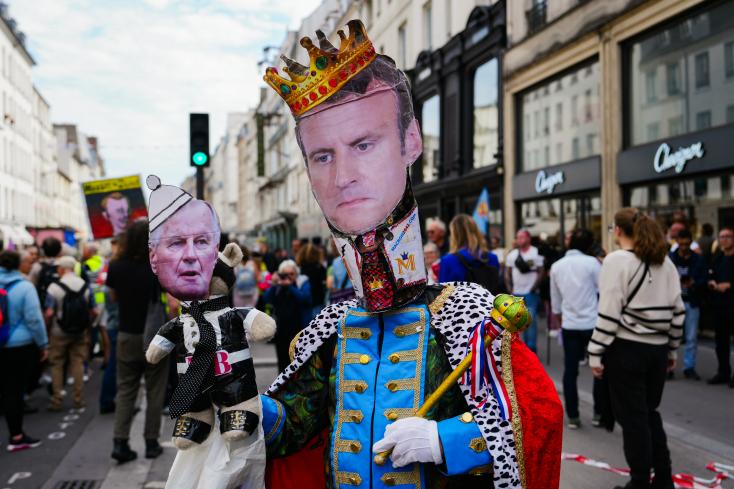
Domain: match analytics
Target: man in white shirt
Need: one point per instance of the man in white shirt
(574, 286)
(523, 274)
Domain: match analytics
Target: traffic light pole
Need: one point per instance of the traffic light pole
(200, 183)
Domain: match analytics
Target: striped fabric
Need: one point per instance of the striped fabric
(655, 313)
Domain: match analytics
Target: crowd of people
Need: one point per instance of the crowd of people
(625, 313)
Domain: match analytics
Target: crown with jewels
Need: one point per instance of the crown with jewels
(330, 68)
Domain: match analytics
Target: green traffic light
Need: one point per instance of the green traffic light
(199, 158)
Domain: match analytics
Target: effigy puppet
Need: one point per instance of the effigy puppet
(407, 384)
(210, 338)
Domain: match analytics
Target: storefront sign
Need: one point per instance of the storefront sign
(664, 160)
(577, 176)
(690, 154)
(547, 182)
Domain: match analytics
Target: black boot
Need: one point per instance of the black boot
(152, 448)
(122, 452)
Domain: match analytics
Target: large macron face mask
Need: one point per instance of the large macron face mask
(356, 163)
(185, 251)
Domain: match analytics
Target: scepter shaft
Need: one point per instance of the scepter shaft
(447, 384)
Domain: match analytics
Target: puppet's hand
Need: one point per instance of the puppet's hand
(155, 354)
(259, 325)
(411, 440)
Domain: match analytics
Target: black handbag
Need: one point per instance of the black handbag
(521, 265)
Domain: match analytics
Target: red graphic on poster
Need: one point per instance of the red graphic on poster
(112, 204)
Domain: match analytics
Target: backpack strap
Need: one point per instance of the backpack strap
(463, 260)
(637, 287)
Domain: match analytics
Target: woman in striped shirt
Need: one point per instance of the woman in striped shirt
(634, 344)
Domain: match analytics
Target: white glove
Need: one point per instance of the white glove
(412, 440)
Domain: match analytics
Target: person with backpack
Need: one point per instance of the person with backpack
(469, 260)
(43, 272)
(637, 333)
(22, 335)
(69, 310)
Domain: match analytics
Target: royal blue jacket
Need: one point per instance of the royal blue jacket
(24, 311)
(451, 269)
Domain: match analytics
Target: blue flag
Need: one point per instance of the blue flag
(481, 211)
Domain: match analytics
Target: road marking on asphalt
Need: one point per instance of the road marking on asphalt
(155, 485)
(18, 476)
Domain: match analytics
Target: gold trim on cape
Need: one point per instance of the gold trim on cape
(507, 378)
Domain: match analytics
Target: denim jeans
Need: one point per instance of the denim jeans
(109, 379)
(690, 328)
(530, 335)
(574, 348)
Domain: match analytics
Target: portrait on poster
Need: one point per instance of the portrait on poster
(112, 204)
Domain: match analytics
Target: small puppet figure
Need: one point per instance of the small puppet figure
(211, 338)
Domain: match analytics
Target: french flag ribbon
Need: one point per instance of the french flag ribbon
(681, 481)
(483, 371)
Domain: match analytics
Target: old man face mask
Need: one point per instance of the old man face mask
(183, 242)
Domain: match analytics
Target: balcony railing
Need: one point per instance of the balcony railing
(537, 16)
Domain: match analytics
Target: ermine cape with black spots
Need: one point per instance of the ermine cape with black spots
(526, 449)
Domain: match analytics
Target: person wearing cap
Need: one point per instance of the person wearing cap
(63, 343)
(363, 367)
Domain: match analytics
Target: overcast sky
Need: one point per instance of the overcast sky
(130, 71)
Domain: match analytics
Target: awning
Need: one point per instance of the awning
(18, 235)
(24, 237)
(7, 233)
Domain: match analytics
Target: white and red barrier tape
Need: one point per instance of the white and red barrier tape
(681, 481)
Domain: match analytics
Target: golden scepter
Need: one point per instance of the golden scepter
(512, 315)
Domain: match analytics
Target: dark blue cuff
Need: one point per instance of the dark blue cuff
(464, 448)
(273, 418)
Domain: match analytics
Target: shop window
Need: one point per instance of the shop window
(729, 59)
(402, 45)
(559, 116)
(675, 126)
(702, 70)
(673, 78)
(687, 54)
(431, 125)
(588, 114)
(730, 114)
(427, 26)
(651, 89)
(486, 114)
(703, 120)
(572, 113)
(653, 131)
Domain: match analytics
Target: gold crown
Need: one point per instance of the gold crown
(330, 68)
(375, 284)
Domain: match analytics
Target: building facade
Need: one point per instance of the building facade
(78, 161)
(17, 172)
(617, 103)
(222, 177)
(456, 89)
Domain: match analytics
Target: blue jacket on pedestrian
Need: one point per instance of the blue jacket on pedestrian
(301, 291)
(452, 270)
(693, 267)
(24, 311)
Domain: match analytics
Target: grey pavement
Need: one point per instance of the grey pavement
(697, 419)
